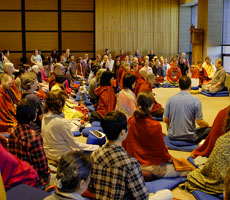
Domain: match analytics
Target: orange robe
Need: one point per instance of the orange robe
(17, 94)
(170, 74)
(139, 82)
(7, 111)
(201, 75)
(119, 73)
(121, 80)
(107, 99)
(217, 130)
(147, 87)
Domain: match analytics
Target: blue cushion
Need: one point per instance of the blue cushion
(5, 135)
(88, 102)
(96, 124)
(76, 133)
(164, 183)
(191, 160)
(158, 118)
(86, 131)
(91, 108)
(26, 192)
(76, 82)
(218, 94)
(179, 145)
(195, 88)
(168, 86)
(199, 195)
(92, 139)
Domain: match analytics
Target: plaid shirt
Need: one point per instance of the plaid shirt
(27, 145)
(115, 175)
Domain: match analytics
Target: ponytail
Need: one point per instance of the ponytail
(144, 101)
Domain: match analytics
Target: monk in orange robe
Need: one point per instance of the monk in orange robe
(7, 104)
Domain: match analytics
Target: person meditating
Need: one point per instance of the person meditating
(56, 131)
(7, 104)
(145, 141)
(73, 176)
(173, 73)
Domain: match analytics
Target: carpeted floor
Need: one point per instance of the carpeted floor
(210, 105)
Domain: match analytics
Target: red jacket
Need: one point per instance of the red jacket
(146, 86)
(170, 74)
(145, 141)
(107, 99)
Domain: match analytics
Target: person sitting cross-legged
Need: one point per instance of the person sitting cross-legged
(26, 143)
(182, 112)
(115, 174)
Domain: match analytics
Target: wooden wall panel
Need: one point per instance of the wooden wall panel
(11, 41)
(77, 21)
(15, 59)
(12, 4)
(77, 5)
(43, 41)
(10, 21)
(137, 24)
(41, 4)
(42, 21)
(77, 41)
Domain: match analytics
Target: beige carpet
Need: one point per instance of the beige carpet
(211, 106)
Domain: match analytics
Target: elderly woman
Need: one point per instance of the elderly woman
(73, 176)
(56, 131)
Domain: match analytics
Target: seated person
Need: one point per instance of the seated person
(149, 148)
(14, 91)
(157, 110)
(146, 66)
(14, 171)
(210, 178)
(26, 143)
(36, 59)
(58, 70)
(7, 104)
(120, 71)
(200, 73)
(73, 68)
(68, 110)
(182, 112)
(183, 67)
(173, 73)
(208, 66)
(140, 80)
(126, 71)
(158, 72)
(94, 83)
(217, 130)
(56, 131)
(218, 81)
(112, 166)
(126, 99)
(106, 97)
(73, 176)
(29, 84)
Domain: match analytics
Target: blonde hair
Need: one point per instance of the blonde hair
(7, 66)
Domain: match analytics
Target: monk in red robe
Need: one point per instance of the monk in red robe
(157, 110)
(7, 104)
(140, 80)
(173, 73)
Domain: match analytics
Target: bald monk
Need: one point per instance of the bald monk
(157, 110)
(7, 104)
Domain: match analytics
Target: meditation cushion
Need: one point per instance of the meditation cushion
(218, 94)
(87, 102)
(195, 88)
(158, 118)
(5, 135)
(164, 183)
(168, 86)
(92, 139)
(96, 124)
(91, 108)
(199, 195)
(179, 145)
(25, 192)
(191, 160)
(86, 131)
(76, 133)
